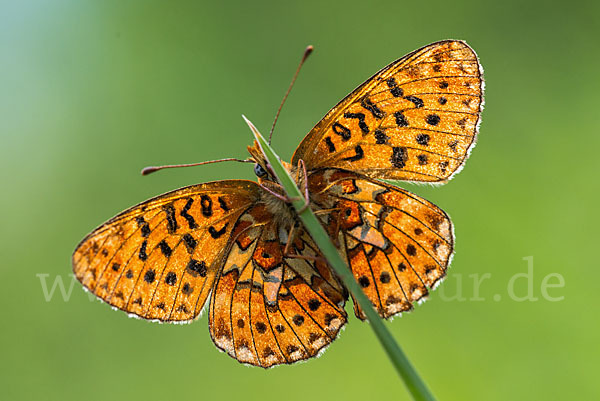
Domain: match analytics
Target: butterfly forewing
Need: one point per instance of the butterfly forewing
(158, 260)
(415, 120)
(397, 244)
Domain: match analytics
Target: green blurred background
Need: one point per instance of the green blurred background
(92, 91)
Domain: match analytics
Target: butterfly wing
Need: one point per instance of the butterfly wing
(158, 260)
(397, 244)
(271, 308)
(415, 120)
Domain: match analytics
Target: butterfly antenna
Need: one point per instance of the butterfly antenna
(307, 52)
(152, 169)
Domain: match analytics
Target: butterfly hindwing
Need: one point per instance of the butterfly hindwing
(158, 259)
(415, 120)
(270, 308)
(397, 244)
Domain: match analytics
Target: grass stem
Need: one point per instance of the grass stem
(415, 385)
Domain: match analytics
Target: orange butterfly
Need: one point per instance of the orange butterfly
(274, 299)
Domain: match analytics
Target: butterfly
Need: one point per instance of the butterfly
(273, 297)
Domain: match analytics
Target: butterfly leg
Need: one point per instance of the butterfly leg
(302, 166)
(290, 239)
(284, 198)
(334, 235)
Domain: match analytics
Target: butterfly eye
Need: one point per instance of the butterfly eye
(259, 170)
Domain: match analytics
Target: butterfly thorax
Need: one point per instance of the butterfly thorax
(274, 195)
(281, 210)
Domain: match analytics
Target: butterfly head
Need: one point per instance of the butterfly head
(263, 171)
(260, 171)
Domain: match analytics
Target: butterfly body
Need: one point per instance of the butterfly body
(239, 247)
(273, 195)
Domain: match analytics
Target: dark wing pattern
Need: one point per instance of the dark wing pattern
(158, 260)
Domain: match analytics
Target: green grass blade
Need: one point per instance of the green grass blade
(413, 382)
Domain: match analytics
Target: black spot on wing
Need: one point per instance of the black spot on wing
(380, 137)
(395, 90)
(190, 243)
(359, 154)
(184, 213)
(443, 165)
(341, 131)
(432, 119)
(165, 248)
(415, 100)
(372, 107)
(361, 121)
(149, 276)
(401, 120)
(171, 278)
(143, 226)
(223, 204)
(314, 304)
(206, 204)
(423, 139)
(187, 289)
(196, 268)
(399, 157)
(216, 234)
(171, 221)
(452, 145)
(142, 252)
(261, 327)
(330, 144)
